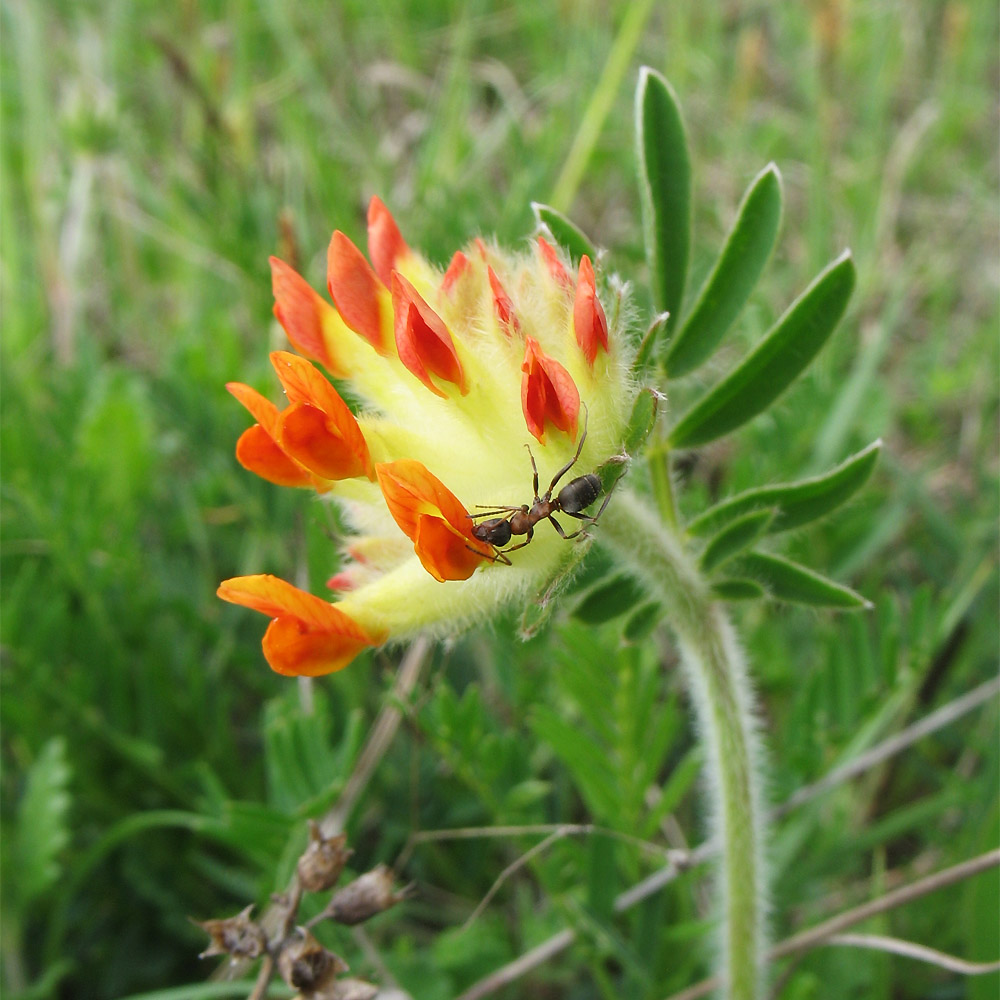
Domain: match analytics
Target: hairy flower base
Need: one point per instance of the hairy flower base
(456, 372)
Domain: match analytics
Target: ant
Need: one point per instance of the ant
(576, 496)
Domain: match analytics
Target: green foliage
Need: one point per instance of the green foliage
(42, 832)
(734, 276)
(664, 189)
(774, 364)
(794, 504)
(151, 162)
(641, 422)
(609, 599)
(566, 233)
(738, 535)
(790, 582)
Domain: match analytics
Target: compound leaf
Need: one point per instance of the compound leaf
(775, 363)
(728, 287)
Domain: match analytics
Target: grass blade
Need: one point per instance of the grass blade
(775, 363)
(728, 287)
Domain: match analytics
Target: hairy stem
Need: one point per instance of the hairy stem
(718, 682)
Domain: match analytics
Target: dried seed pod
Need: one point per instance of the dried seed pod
(341, 989)
(307, 966)
(367, 895)
(351, 989)
(323, 860)
(238, 936)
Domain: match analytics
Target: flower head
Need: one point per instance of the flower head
(454, 372)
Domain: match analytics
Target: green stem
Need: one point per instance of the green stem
(720, 688)
(663, 486)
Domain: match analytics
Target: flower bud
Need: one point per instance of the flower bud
(307, 966)
(323, 860)
(367, 895)
(237, 936)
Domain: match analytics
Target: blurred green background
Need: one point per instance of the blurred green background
(154, 768)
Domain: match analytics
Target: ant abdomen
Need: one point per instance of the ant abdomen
(579, 494)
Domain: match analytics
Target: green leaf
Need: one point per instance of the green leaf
(788, 581)
(602, 876)
(585, 758)
(796, 503)
(610, 599)
(641, 422)
(733, 278)
(664, 188)
(647, 348)
(682, 779)
(737, 590)
(42, 826)
(567, 234)
(642, 621)
(740, 534)
(775, 363)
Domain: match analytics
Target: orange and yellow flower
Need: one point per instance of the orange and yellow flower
(454, 372)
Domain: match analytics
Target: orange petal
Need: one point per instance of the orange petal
(385, 242)
(308, 636)
(300, 311)
(589, 322)
(260, 407)
(354, 289)
(459, 266)
(323, 434)
(502, 305)
(442, 551)
(258, 449)
(559, 273)
(294, 649)
(310, 437)
(258, 452)
(548, 393)
(431, 516)
(423, 342)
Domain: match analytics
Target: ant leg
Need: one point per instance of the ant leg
(607, 498)
(569, 465)
(559, 529)
(521, 545)
(572, 534)
(487, 511)
(534, 470)
(497, 556)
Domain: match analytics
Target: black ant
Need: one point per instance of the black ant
(576, 496)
